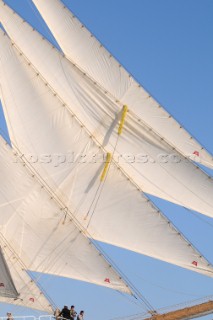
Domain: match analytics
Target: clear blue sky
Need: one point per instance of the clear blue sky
(168, 47)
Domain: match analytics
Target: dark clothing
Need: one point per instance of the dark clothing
(65, 313)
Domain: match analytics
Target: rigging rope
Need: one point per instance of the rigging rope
(44, 25)
(166, 289)
(107, 166)
(199, 217)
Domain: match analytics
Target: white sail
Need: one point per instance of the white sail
(43, 128)
(143, 155)
(83, 49)
(59, 247)
(29, 294)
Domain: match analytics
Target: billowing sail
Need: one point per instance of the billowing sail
(59, 148)
(16, 287)
(81, 47)
(141, 153)
(46, 238)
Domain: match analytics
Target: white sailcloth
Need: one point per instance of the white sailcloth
(142, 154)
(29, 294)
(83, 49)
(44, 239)
(46, 133)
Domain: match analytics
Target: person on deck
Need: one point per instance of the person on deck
(65, 313)
(73, 313)
(9, 316)
(81, 315)
(57, 314)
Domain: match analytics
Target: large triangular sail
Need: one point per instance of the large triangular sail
(54, 133)
(34, 215)
(81, 47)
(141, 153)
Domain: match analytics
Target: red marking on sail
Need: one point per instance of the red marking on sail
(32, 299)
(107, 280)
(196, 153)
(194, 263)
(1, 284)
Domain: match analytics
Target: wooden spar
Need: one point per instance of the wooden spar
(185, 313)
